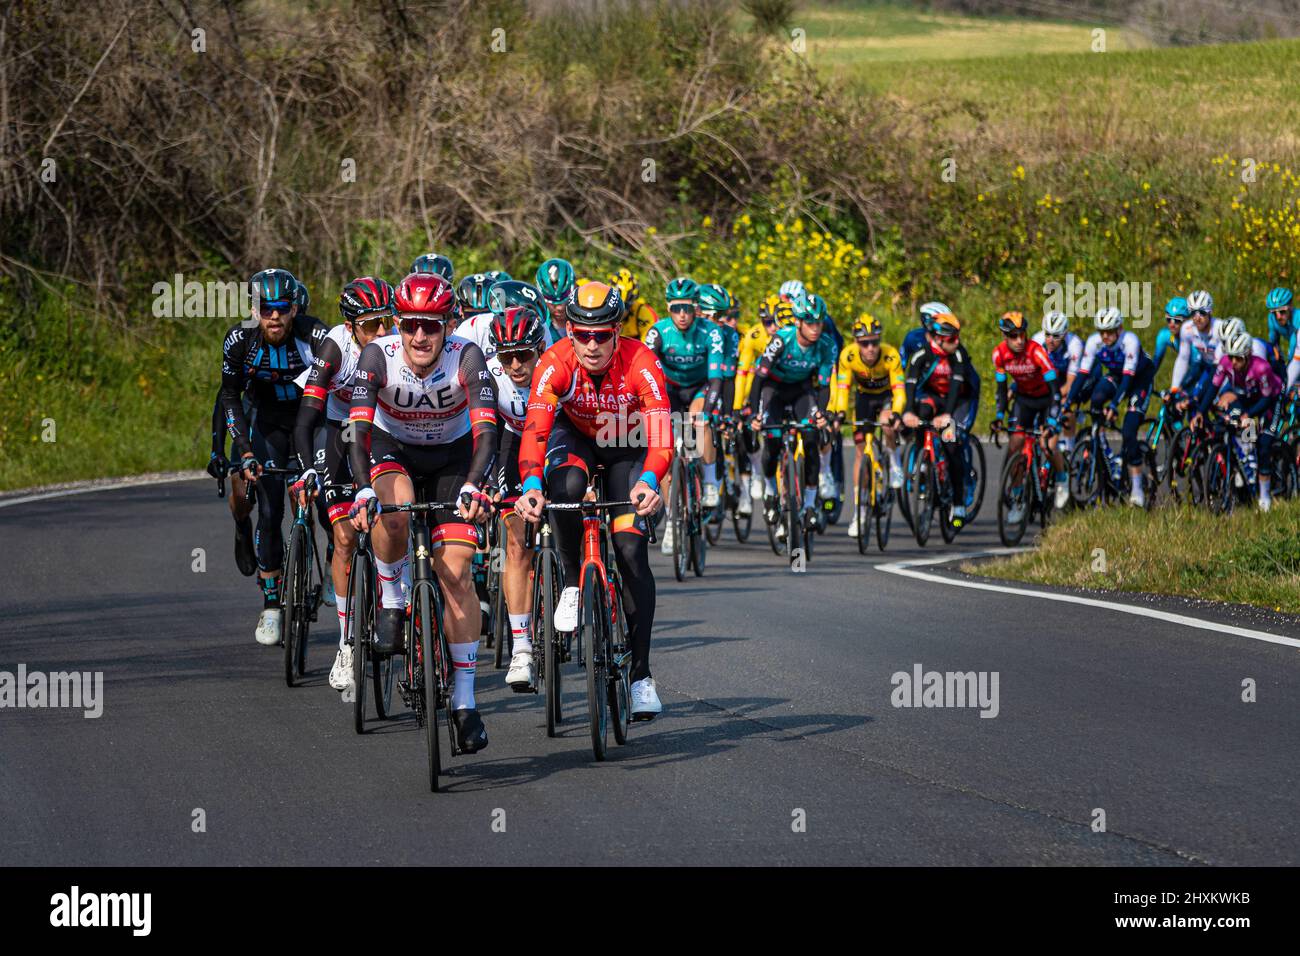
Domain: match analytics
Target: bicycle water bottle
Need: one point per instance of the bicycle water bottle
(1112, 463)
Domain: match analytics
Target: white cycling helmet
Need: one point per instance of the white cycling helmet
(1200, 301)
(1056, 323)
(931, 309)
(1108, 320)
(1230, 328)
(793, 288)
(1238, 344)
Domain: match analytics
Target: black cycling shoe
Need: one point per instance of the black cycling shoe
(245, 559)
(470, 732)
(389, 637)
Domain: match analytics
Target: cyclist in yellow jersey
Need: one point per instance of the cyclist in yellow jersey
(874, 371)
(639, 317)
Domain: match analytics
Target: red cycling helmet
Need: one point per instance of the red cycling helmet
(517, 328)
(425, 294)
(364, 296)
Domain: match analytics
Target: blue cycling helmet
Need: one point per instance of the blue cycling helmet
(431, 263)
(1278, 298)
(276, 287)
(1176, 308)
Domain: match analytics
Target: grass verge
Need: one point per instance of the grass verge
(1244, 558)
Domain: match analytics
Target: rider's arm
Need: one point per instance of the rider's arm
(218, 427)
(961, 374)
(1000, 377)
(652, 393)
(763, 370)
(233, 351)
(481, 394)
(371, 376)
(1211, 391)
(916, 369)
(1085, 370)
(326, 358)
(551, 378)
(1293, 368)
(1181, 363)
(839, 403)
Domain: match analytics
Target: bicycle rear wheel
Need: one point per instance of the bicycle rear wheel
(297, 616)
(681, 550)
(1084, 478)
(361, 622)
(1013, 501)
(921, 498)
(593, 626)
(545, 639)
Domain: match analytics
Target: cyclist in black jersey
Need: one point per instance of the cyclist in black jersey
(263, 358)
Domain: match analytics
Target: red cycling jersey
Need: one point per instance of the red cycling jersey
(632, 385)
(1026, 368)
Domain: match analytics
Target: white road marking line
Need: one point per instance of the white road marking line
(112, 486)
(906, 569)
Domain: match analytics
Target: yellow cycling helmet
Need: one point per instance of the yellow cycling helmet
(867, 327)
(626, 283)
(773, 309)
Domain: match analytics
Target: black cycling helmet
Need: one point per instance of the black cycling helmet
(472, 293)
(595, 303)
(431, 263)
(276, 287)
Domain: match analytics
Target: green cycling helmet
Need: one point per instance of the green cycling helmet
(810, 308)
(555, 280)
(713, 298)
(682, 288)
(1278, 299)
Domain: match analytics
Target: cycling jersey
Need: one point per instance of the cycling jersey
(1124, 362)
(883, 378)
(1032, 373)
(1282, 338)
(752, 345)
(638, 320)
(512, 399)
(691, 357)
(730, 350)
(1195, 354)
(913, 342)
(1256, 386)
(1066, 357)
(455, 398)
(329, 380)
(633, 384)
(787, 362)
(933, 373)
(268, 373)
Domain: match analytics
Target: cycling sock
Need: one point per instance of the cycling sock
(895, 458)
(523, 641)
(809, 497)
(770, 485)
(270, 591)
(756, 462)
(826, 459)
(1135, 483)
(1265, 488)
(343, 620)
(391, 578)
(464, 660)
(710, 472)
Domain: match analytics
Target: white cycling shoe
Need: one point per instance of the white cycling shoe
(1062, 495)
(566, 612)
(826, 485)
(341, 672)
(268, 627)
(852, 530)
(1137, 498)
(1265, 503)
(520, 675)
(745, 504)
(666, 544)
(757, 488)
(710, 499)
(645, 700)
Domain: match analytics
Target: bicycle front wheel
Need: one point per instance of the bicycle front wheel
(361, 622)
(297, 616)
(545, 641)
(921, 494)
(424, 626)
(1013, 501)
(594, 635)
(681, 500)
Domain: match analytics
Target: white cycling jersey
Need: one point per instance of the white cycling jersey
(478, 329)
(1073, 349)
(338, 391)
(1194, 345)
(512, 400)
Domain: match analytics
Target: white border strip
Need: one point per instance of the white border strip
(905, 568)
(87, 487)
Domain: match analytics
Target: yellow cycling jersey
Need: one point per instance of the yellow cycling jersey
(753, 343)
(884, 377)
(637, 321)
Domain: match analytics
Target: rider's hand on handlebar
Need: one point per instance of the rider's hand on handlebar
(646, 498)
(218, 465)
(910, 420)
(530, 506)
(251, 468)
(363, 508)
(471, 502)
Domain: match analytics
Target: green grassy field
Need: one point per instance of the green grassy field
(1245, 558)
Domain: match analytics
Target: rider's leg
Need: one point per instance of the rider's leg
(389, 537)
(514, 582)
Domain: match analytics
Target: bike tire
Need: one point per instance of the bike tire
(1084, 479)
(361, 619)
(620, 689)
(1012, 530)
(981, 478)
(424, 628)
(1218, 479)
(885, 519)
(793, 516)
(544, 636)
(1284, 471)
(921, 503)
(593, 628)
(681, 551)
(863, 512)
(294, 602)
(500, 623)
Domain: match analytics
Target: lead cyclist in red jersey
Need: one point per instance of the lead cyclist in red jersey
(1038, 396)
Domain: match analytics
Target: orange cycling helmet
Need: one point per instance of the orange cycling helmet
(1012, 323)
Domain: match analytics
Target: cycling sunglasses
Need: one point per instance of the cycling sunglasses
(1200, 312)
(1279, 313)
(517, 356)
(873, 340)
(948, 336)
(587, 336)
(279, 305)
(681, 307)
(369, 325)
(411, 325)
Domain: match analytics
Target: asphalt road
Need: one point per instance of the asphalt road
(778, 744)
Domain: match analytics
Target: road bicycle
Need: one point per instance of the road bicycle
(1025, 490)
(551, 648)
(496, 623)
(690, 546)
(973, 452)
(790, 533)
(371, 674)
(726, 430)
(927, 485)
(1161, 433)
(874, 503)
(1097, 473)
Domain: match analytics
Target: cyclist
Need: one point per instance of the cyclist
(1117, 369)
(367, 307)
(1176, 313)
(1246, 383)
(917, 338)
(1281, 328)
(639, 316)
(1065, 349)
(793, 372)
(431, 263)
(875, 371)
(1038, 399)
(831, 469)
(556, 281)
(1197, 342)
(1230, 327)
(473, 298)
(791, 291)
(714, 305)
(772, 314)
(936, 375)
(424, 410)
(691, 351)
(240, 500)
(577, 385)
(265, 359)
(502, 296)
